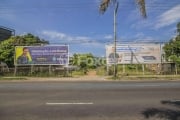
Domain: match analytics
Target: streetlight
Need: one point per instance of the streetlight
(115, 38)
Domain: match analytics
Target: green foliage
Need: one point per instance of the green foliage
(172, 49)
(178, 28)
(7, 51)
(7, 47)
(101, 71)
(131, 67)
(83, 61)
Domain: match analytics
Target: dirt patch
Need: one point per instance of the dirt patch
(92, 73)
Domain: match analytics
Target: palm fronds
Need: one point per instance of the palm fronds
(105, 4)
(142, 7)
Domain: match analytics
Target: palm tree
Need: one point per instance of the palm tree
(105, 3)
(103, 7)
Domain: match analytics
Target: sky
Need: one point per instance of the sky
(79, 23)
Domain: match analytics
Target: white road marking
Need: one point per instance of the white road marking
(174, 100)
(80, 103)
(147, 85)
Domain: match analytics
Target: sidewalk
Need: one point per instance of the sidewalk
(60, 78)
(82, 78)
(95, 78)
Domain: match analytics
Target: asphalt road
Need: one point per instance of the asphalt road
(89, 101)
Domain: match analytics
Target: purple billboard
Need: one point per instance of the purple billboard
(42, 55)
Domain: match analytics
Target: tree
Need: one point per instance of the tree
(172, 48)
(105, 3)
(83, 60)
(103, 7)
(178, 29)
(7, 47)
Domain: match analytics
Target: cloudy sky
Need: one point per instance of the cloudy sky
(79, 23)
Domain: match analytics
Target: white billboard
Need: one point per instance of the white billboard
(134, 53)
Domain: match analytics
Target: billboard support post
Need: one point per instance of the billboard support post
(176, 68)
(136, 68)
(50, 70)
(32, 69)
(143, 69)
(160, 57)
(15, 70)
(124, 68)
(107, 69)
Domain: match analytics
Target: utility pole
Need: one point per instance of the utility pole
(115, 37)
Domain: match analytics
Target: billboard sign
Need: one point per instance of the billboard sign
(134, 54)
(42, 55)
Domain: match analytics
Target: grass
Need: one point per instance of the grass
(130, 74)
(146, 77)
(118, 78)
(101, 71)
(78, 73)
(13, 78)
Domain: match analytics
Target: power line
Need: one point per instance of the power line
(85, 4)
(62, 9)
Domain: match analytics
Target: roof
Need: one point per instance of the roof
(5, 33)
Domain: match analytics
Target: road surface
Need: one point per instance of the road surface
(89, 101)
